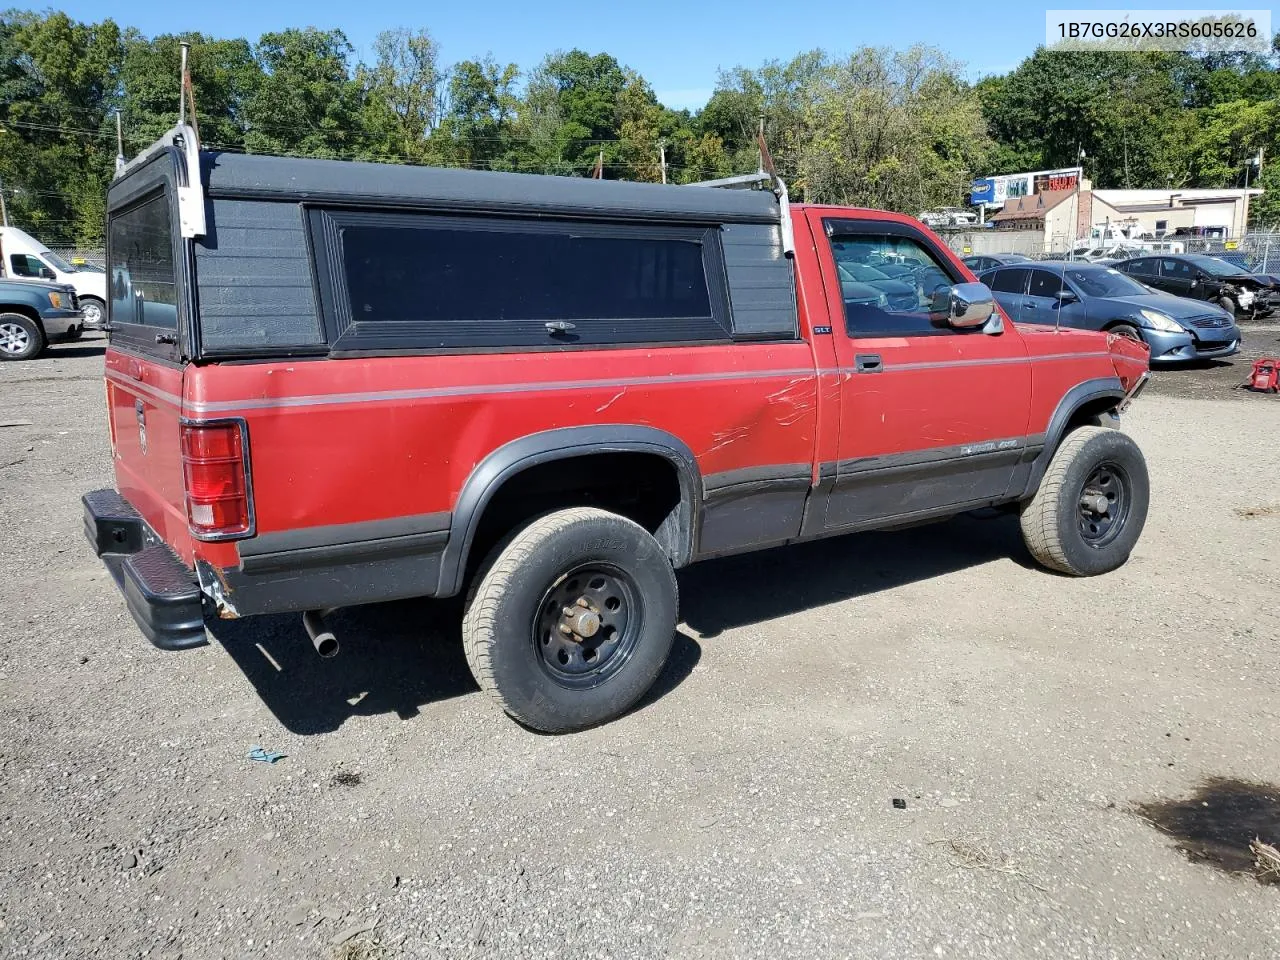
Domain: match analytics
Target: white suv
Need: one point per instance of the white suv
(23, 256)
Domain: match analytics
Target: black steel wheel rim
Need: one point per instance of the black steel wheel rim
(587, 625)
(1103, 506)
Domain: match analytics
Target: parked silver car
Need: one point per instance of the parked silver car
(1090, 296)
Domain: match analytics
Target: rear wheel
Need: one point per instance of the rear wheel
(570, 622)
(20, 337)
(1091, 505)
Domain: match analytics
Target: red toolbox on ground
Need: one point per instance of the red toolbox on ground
(1266, 375)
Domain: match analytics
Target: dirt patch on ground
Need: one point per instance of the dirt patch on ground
(1223, 379)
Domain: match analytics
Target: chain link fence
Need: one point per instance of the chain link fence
(1259, 252)
(93, 256)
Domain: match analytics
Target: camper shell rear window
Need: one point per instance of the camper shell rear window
(143, 281)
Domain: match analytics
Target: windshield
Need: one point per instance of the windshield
(57, 262)
(1218, 268)
(1105, 283)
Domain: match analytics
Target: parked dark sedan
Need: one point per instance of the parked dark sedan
(985, 261)
(898, 294)
(1093, 297)
(1200, 277)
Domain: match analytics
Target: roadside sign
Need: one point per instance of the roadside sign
(968, 249)
(1232, 244)
(982, 191)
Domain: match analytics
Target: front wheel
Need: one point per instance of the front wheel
(20, 337)
(1227, 304)
(94, 312)
(571, 621)
(1128, 331)
(1091, 506)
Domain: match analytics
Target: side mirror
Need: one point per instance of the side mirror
(1066, 296)
(48, 274)
(965, 305)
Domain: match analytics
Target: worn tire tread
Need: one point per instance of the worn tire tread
(1039, 518)
(491, 583)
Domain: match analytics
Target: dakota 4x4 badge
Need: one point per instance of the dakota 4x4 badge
(988, 447)
(141, 411)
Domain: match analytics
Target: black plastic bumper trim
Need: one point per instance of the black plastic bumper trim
(160, 591)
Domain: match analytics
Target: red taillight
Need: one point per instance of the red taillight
(215, 473)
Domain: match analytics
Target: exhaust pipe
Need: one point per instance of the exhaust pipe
(323, 639)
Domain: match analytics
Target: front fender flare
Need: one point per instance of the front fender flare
(1088, 391)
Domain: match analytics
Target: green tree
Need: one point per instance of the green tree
(402, 96)
(897, 130)
(59, 79)
(571, 113)
(481, 112)
(307, 102)
(780, 94)
(224, 76)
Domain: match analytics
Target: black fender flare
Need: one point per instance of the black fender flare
(510, 459)
(1088, 391)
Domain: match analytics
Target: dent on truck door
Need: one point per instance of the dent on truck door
(932, 418)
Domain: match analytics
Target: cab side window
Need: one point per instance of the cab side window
(1044, 283)
(1176, 269)
(25, 265)
(892, 286)
(1012, 280)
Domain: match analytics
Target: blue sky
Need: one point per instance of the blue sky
(678, 45)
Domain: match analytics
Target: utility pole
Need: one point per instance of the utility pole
(1251, 162)
(4, 210)
(662, 158)
(760, 137)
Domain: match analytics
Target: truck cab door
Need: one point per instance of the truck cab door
(933, 419)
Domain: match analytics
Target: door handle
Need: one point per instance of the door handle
(868, 363)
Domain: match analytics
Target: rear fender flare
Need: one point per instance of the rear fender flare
(1087, 392)
(536, 448)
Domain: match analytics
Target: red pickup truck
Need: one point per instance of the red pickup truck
(335, 383)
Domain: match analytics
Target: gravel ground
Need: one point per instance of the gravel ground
(1212, 379)
(744, 810)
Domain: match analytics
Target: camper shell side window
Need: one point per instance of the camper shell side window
(432, 281)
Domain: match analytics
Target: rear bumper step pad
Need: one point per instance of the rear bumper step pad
(160, 590)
